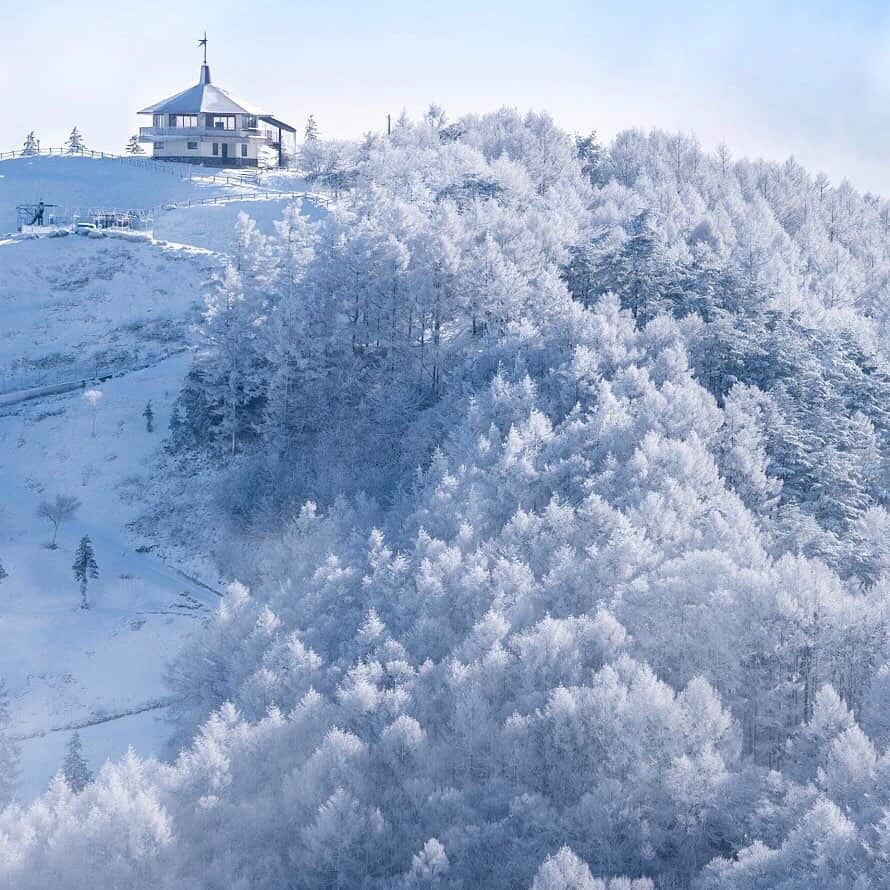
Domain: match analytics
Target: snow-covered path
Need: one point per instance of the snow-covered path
(97, 720)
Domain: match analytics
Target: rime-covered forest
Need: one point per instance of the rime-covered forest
(552, 479)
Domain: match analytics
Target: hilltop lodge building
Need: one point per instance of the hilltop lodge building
(207, 125)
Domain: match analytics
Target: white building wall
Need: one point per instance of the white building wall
(179, 148)
(170, 145)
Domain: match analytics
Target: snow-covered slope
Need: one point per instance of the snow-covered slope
(76, 300)
(210, 226)
(69, 303)
(82, 182)
(67, 666)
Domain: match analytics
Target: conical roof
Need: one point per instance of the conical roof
(203, 97)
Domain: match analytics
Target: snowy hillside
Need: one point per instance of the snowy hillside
(128, 303)
(66, 666)
(546, 485)
(80, 183)
(210, 226)
(75, 300)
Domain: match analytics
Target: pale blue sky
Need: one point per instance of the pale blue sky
(808, 79)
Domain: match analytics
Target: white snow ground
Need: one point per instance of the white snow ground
(66, 665)
(64, 301)
(75, 300)
(81, 183)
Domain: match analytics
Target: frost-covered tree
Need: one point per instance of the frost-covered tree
(149, 415)
(435, 117)
(232, 384)
(75, 143)
(311, 153)
(429, 867)
(63, 509)
(31, 146)
(75, 769)
(562, 487)
(133, 146)
(565, 871)
(10, 753)
(3, 572)
(590, 153)
(84, 567)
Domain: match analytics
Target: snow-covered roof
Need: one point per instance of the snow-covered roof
(277, 123)
(202, 97)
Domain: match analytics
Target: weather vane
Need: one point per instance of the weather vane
(203, 42)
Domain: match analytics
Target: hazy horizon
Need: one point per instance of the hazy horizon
(807, 80)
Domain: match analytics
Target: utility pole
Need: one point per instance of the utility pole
(389, 125)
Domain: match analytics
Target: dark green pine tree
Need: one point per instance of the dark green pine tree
(85, 567)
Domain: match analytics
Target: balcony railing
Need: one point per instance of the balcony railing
(151, 134)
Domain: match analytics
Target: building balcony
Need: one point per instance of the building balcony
(153, 134)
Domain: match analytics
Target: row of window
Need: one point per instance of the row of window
(183, 120)
(211, 121)
(193, 146)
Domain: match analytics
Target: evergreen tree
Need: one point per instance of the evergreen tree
(134, 147)
(85, 567)
(149, 416)
(77, 773)
(75, 143)
(592, 617)
(10, 753)
(3, 572)
(311, 151)
(230, 392)
(590, 153)
(32, 145)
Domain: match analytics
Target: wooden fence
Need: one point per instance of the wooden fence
(164, 168)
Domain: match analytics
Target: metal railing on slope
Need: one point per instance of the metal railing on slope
(266, 195)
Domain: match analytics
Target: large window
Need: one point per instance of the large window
(243, 149)
(158, 145)
(221, 121)
(216, 148)
(193, 146)
(158, 120)
(250, 122)
(181, 121)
